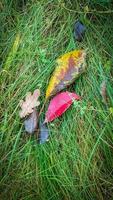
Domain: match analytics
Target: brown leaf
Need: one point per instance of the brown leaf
(31, 101)
(103, 91)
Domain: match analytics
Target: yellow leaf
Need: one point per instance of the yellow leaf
(69, 67)
(12, 52)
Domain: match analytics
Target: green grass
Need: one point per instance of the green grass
(77, 162)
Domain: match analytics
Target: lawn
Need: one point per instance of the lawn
(77, 161)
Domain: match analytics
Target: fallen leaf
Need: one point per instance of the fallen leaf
(103, 91)
(31, 122)
(31, 101)
(79, 31)
(12, 52)
(70, 66)
(59, 104)
(43, 133)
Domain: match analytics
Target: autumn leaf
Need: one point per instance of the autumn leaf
(70, 66)
(43, 133)
(12, 52)
(31, 101)
(103, 91)
(79, 31)
(31, 122)
(59, 104)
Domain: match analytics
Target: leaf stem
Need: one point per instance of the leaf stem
(42, 108)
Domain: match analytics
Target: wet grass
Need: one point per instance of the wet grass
(77, 162)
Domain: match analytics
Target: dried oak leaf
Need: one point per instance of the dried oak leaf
(31, 101)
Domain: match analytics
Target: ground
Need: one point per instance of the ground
(77, 162)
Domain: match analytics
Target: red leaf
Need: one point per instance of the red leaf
(59, 104)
